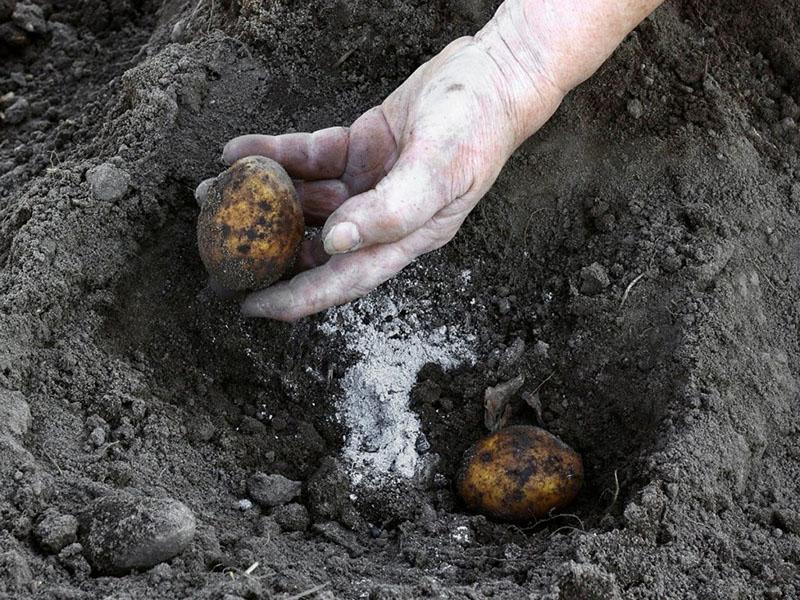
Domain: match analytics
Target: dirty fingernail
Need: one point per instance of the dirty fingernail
(256, 305)
(343, 237)
(201, 192)
(227, 152)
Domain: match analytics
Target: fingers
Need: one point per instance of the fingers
(320, 198)
(318, 155)
(340, 280)
(402, 202)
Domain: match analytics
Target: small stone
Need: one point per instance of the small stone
(108, 182)
(97, 437)
(15, 574)
(30, 18)
(635, 108)
(56, 531)
(122, 532)
(541, 349)
(244, 504)
(595, 279)
(7, 9)
(15, 414)
(272, 490)
(292, 517)
(17, 112)
(512, 354)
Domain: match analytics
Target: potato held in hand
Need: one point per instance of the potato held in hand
(519, 474)
(251, 225)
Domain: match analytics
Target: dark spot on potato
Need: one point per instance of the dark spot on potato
(518, 474)
(455, 87)
(252, 200)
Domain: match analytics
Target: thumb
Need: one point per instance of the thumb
(415, 189)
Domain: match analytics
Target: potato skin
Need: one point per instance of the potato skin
(519, 473)
(251, 225)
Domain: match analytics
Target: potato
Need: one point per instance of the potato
(250, 225)
(519, 473)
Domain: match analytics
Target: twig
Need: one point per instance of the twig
(630, 287)
(548, 378)
(764, 275)
(615, 496)
(55, 464)
(308, 592)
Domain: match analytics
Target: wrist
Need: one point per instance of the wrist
(547, 47)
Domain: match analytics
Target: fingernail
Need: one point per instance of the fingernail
(344, 237)
(201, 193)
(226, 153)
(250, 307)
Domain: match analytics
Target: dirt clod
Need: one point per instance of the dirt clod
(272, 490)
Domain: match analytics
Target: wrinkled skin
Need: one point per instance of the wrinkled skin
(400, 181)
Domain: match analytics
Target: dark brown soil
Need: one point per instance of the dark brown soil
(674, 171)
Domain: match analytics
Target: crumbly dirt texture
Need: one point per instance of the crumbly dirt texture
(637, 261)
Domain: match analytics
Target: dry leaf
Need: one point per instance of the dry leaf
(497, 410)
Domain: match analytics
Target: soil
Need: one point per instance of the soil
(641, 249)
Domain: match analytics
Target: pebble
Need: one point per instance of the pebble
(17, 112)
(541, 349)
(512, 354)
(30, 18)
(595, 279)
(56, 531)
(635, 108)
(121, 532)
(272, 490)
(292, 517)
(97, 437)
(108, 182)
(15, 414)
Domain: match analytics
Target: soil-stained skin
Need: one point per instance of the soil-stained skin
(519, 474)
(251, 225)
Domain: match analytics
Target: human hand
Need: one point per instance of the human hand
(400, 181)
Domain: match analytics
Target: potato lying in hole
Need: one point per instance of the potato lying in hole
(250, 225)
(519, 474)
